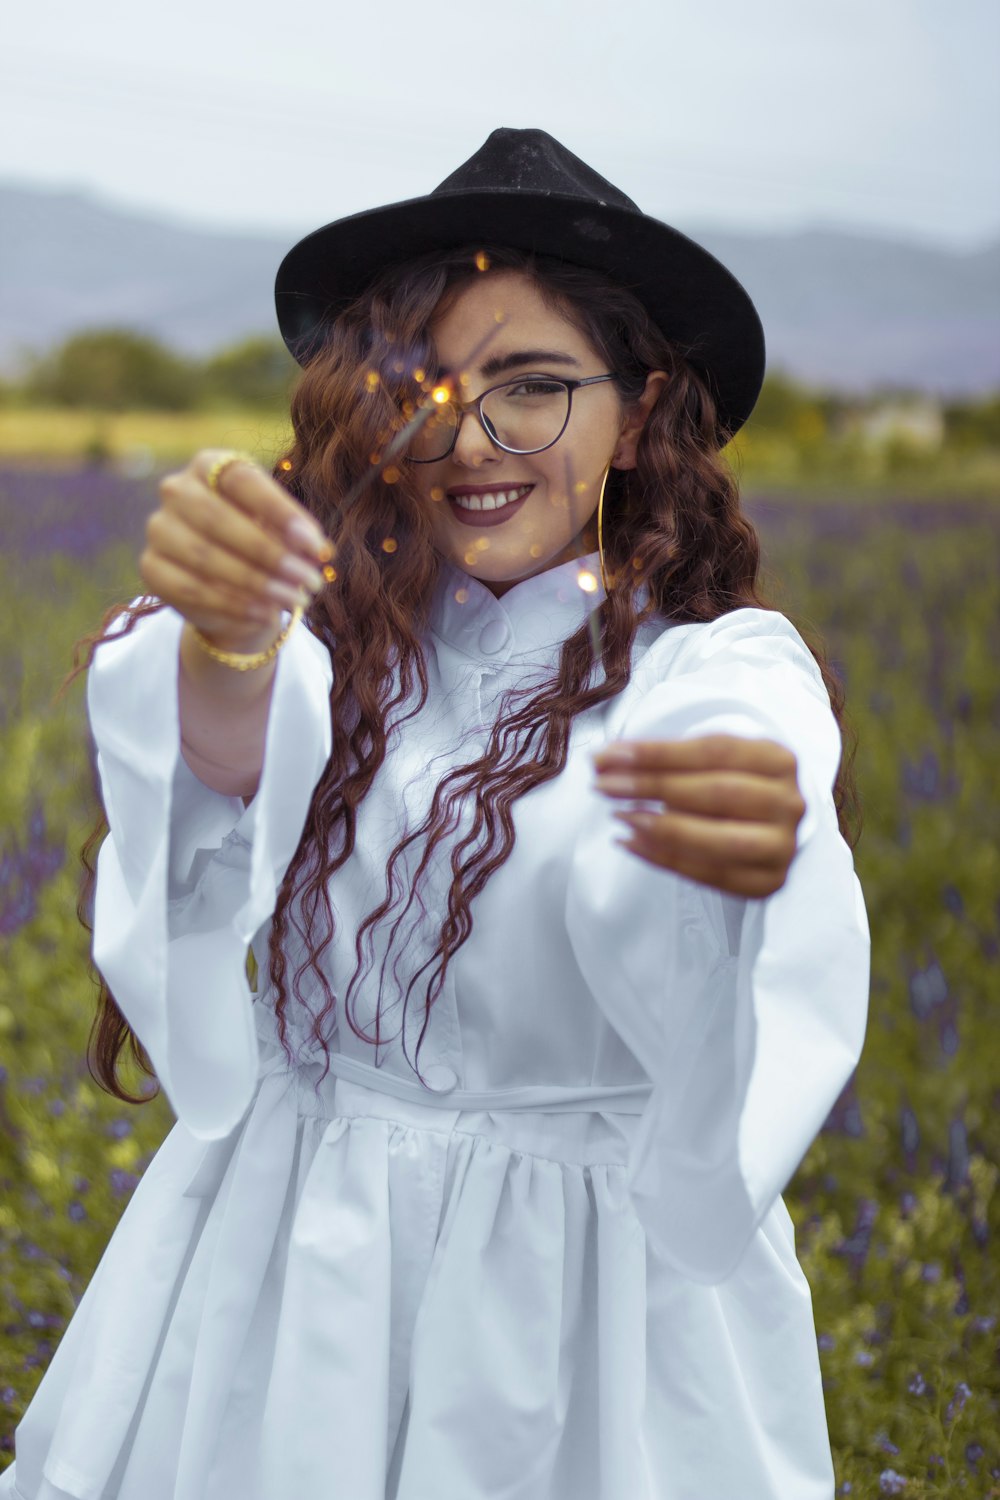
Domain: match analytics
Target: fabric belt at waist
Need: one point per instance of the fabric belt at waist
(624, 1098)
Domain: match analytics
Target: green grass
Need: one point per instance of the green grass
(895, 1205)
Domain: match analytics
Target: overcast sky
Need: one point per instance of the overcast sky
(280, 115)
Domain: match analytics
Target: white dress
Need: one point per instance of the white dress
(563, 1267)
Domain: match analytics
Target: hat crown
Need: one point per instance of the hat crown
(531, 161)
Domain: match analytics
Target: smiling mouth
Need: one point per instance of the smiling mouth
(489, 499)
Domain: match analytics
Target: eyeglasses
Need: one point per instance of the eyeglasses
(526, 415)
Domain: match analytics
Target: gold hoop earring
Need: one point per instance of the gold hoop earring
(600, 527)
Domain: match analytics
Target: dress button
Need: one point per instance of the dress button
(440, 1078)
(493, 636)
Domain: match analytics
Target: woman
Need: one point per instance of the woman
(475, 1190)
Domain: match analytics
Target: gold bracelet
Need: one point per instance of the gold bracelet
(248, 662)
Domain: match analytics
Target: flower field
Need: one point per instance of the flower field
(896, 1209)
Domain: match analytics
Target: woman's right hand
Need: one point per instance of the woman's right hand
(231, 559)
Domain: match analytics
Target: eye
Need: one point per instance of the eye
(534, 386)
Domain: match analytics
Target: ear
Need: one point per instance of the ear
(635, 421)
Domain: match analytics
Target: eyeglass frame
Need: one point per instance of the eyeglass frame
(464, 407)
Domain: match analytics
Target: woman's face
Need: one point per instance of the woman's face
(552, 517)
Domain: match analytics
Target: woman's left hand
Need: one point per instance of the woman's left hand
(732, 808)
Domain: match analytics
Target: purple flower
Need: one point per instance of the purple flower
(24, 869)
(952, 898)
(121, 1182)
(923, 780)
(78, 512)
(36, 1320)
(8, 1395)
(885, 1443)
(958, 1153)
(77, 1212)
(909, 1130)
(120, 1128)
(826, 1341)
(845, 1116)
(984, 1325)
(931, 1272)
(867, 1213)
(973, 1453)
(917, 1385)
(957, 1403)
(928, 988)
(864, 1358)
(891, 1483)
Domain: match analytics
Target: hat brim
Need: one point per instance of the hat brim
(693, 299)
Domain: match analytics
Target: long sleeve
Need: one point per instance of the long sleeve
(186, 876)
(749, 1016)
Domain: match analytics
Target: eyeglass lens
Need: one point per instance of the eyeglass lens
(523, 416)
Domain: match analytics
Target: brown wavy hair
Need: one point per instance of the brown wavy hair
(674, 529)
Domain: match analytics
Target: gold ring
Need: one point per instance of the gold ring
(231, 456)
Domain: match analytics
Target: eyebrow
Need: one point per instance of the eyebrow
(499, 364)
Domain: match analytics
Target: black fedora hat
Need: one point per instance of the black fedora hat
(524, 190)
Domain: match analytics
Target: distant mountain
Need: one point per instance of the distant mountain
(839, 309)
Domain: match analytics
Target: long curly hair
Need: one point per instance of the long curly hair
(677, 546)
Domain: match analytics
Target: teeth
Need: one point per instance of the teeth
(492, 501)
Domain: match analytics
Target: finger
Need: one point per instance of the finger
(709, 841)
(205, 605)
(753, 882)
(259, 496)
(713, 794)
(218, 567)
(220, 526)
(710, 752)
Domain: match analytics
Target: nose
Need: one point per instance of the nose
(472, 447)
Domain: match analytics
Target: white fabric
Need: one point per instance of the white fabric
(561, 1269)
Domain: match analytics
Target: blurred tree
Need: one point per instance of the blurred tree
(115, 369)
(973, 424)
(258, 372)
(780, 403)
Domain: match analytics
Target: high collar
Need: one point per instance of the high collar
(530, 618)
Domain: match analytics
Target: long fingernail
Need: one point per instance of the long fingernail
(297, 570)
(285, 595)
(614, 755)
(609, 782)
(309, 536)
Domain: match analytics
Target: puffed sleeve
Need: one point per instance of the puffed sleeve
(186, 876)
(748, 1015)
